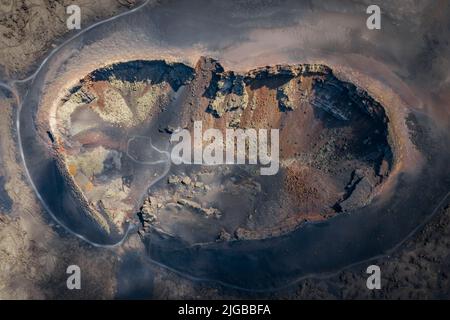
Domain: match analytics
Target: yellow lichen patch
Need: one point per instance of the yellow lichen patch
(89, 163)
(89, 187)
(156, 94)
(112, 196)
(126, 87)
(72, 168)
(115, 110)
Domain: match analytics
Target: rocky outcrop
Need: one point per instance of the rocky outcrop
(207, 212)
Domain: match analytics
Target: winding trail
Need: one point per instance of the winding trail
(11, 86)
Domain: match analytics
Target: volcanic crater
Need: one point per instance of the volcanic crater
(111, 134)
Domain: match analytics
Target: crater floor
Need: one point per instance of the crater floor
(113, 128)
